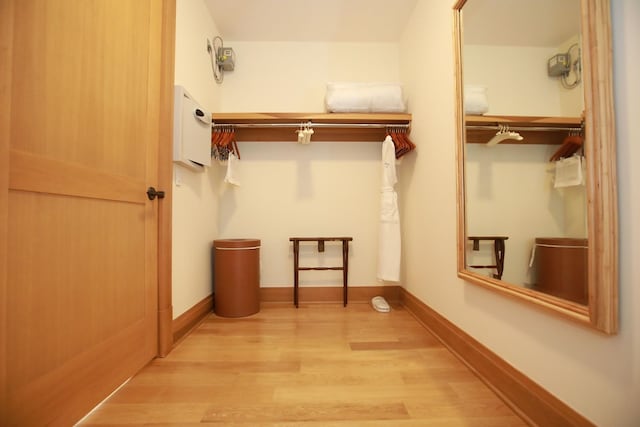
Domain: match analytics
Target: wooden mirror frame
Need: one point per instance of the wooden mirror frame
(601, 312)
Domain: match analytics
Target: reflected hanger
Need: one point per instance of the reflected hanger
(502, 135)
(571, 144)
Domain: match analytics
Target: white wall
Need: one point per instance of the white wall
(510, 193)
(195, 202)
(517, 84)
(321, 189)
(597, 375)
(571, 100)
(292, 76)
(516, 79)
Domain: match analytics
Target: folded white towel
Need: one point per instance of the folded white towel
(475, 100)
(364, 98)
(232, 170)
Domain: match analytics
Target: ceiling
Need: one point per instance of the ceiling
(311, 20)
(520, 22)
(505, 22)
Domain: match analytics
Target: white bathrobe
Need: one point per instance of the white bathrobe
(389, 238)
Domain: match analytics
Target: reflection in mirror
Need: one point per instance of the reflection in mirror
(540, 239)
(531, 142)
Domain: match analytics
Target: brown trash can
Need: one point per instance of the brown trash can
(561, 264)
(236, 277)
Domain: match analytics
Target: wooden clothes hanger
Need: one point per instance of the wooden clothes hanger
(223, 142)
(401, 141)
(571, 144)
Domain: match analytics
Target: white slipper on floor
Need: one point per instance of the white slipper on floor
(380, 304)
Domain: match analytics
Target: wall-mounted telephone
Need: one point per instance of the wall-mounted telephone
(559, 65)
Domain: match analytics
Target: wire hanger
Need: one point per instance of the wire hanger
(502, 135)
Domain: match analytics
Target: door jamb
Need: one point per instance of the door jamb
(165, 177)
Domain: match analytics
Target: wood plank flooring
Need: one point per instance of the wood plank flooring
(318, 365)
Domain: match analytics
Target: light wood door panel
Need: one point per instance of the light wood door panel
(63, 264)
(79, 291)
(88, 64)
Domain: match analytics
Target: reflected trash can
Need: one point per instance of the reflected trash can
(561, 267)
(236, 277)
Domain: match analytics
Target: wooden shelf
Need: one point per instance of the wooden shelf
(262, 130)
(519, 123)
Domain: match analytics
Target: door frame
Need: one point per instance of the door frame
(6, 43)
(165, 179)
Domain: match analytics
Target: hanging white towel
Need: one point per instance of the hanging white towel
(569, 172)
(231, 177)
(389, 237)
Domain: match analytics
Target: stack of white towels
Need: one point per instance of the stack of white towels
(365, 98)
(476, 101)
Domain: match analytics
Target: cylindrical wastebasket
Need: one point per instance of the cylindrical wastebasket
(236, 277)
(561, 264)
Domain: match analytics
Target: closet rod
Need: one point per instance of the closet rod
(314, 125)
(524, 128)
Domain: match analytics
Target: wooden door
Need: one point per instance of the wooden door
(81, 90)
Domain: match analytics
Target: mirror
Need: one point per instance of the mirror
(529, 226)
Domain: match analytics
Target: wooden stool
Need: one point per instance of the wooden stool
(498, 252)
(321, 240)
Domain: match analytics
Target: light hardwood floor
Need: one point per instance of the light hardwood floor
(319, 365)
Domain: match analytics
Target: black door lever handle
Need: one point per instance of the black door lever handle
(152, 193)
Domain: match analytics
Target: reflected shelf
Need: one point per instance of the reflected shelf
(533, 129)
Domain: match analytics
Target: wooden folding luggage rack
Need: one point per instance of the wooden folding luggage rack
(321, 240)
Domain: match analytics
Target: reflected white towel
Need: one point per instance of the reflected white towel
(475, 99)
(569, 172)
(231, 176)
